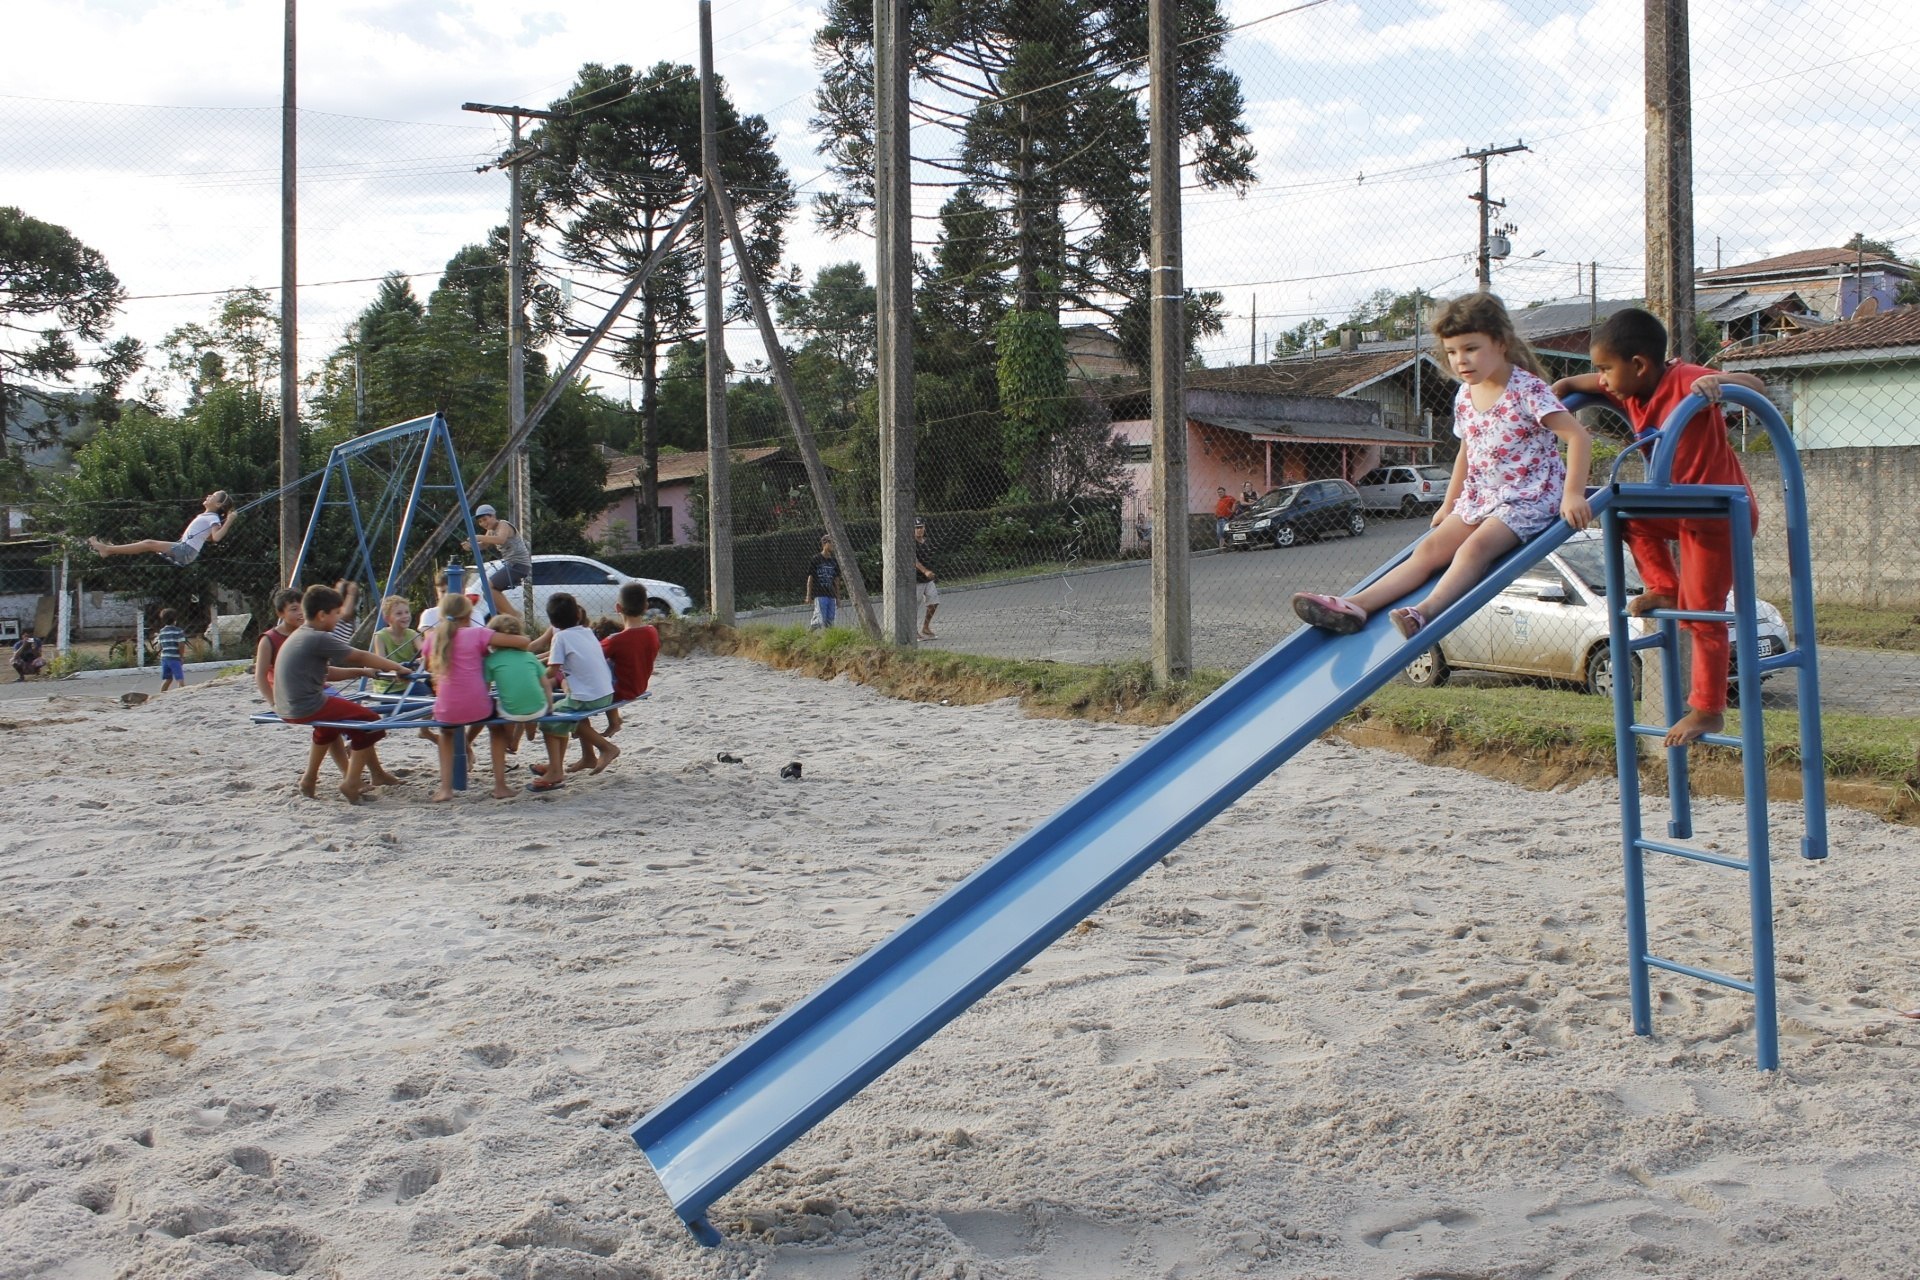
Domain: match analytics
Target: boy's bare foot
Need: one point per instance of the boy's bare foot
(1646, 602)
(354, 795)
(613, 723)
(584, 762)
(608, 754)
(500, 792)
(386, 779)
(1693, 725)
(309, 787)
(441, 795)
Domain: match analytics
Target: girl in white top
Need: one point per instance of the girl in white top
(1508, 480)
(213, 523)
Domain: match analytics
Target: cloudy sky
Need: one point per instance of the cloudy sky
(150, 128)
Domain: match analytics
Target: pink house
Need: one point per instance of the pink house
(1237, 439)
(619, 522)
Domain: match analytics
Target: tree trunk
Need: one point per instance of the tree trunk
(1026, 230)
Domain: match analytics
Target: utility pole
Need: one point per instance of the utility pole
(893, 297)
(1172, 561)
(519, 480)
(1488, 204)
(1669, 198)
(719, 460)
(1253, 328)
(290, 531)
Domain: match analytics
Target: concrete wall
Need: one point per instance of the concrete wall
(1848, 407)
(1862, 527)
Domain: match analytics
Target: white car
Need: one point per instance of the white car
(1552, 622)
(596, 586)
(1404, 488)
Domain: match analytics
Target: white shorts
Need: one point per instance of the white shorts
(927, 592)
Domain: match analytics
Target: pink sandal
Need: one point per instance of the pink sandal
(1329, 613)
(1409, 620)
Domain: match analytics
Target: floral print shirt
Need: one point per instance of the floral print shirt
(1514, 470)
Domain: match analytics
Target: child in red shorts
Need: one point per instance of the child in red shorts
(1630, 368)
(300, 691)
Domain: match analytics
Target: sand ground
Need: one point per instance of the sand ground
(1371, 1023)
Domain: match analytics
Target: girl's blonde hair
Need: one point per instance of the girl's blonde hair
(386, 605)
(1484, 313)
(506, 624)
(454, 609)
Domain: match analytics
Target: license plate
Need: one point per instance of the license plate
(1239, 537)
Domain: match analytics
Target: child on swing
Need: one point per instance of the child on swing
(214, 522)
(1508, 484)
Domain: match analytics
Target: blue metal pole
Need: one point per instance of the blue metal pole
(413, 500)
(456, 579)
(1627, 753)
(313, 521)
(1753, 765)
(441, 433)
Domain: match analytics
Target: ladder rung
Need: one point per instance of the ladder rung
(1791, 658)
(1693, 855)
(1712, 739)
(1705, 975)
(1691, 615)
(1654, 641)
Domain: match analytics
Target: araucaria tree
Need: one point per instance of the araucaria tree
(53, 289)
(612, 173)
(1044, 108)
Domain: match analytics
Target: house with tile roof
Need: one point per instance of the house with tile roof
(620, 518)
(1855, 384)
(1831, 283)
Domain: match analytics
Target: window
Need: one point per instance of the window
(1140, 452)
(1373, 477)
(567, 573)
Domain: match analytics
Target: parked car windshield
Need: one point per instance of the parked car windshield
(1435, 473)
(1588, 561)
(1274, 499)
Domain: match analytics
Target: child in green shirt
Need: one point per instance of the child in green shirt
(520, 693)
(397, 641)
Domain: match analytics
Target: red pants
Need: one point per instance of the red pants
(1702, 582)
(342, 709)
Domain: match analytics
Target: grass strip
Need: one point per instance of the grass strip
(1523, 720)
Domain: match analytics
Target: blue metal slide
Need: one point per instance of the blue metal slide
(822, 1051)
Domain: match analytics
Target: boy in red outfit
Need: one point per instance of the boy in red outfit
(631, 651)
(1630, 368)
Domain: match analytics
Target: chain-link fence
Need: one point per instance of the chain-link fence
(1335, 154)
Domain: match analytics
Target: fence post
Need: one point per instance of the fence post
(1172, 591)
(719, 460)
(63, 627)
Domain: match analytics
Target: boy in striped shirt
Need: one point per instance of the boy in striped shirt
(172, 670)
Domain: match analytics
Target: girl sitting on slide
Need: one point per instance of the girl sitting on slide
(1508, 482)
(213, 523)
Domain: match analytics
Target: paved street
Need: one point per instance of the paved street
(1240, 610)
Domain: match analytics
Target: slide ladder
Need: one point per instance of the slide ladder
(822, 1051)
(1657, 499)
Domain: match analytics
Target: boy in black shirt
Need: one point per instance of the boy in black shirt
(823, 587)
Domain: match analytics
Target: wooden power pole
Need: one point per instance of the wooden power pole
(1172, 561)
(719, 458)
(1669, 229)
(893, 295)
(290, 530)
(519, 480)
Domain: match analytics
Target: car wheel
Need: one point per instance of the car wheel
(1285, 535)
(1356, 523)
(657, 609)
(1600, 672)
(1429, 670)
(1409, 507)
